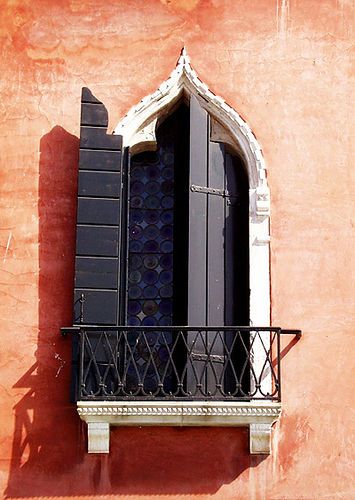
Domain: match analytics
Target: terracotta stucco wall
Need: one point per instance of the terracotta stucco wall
(284, 65)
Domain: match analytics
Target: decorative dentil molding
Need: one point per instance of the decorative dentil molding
(138, 126)
(100, 415)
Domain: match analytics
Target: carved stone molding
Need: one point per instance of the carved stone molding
(138, 126)
(138, 129)
(258, 416)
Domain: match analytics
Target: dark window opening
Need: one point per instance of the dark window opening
(166, 211)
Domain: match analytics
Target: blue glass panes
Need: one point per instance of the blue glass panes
(166, 232)
(152, 202)
(150, 307)
(166, 261)
(150, 292)
(135, 232)
(167, 202)
(137, 187)
(166, 277)
(137, 216)
(150, 260)
(152, 187)
(134, 292)
(168, 173)
(151, 246)
(167, 217)
(166, 246)
(135, 246)
(166, 291)
(150, 277)
(134, 277)
(151, 232)
(151, 216)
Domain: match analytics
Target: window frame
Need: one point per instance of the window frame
(137, 130)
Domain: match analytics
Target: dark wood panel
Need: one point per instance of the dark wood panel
(105, 184)
(97, 240)
(87, 96)
(230, 253)
(197, 314)
(100, 160)
(96, 138)
(215, 232)
(198, 215)
(215, 263)
(98, 211)
(96, 273)
(100, 306)
(94, 114)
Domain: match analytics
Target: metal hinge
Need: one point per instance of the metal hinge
(215, 358)
(208, 190)
(231, 200)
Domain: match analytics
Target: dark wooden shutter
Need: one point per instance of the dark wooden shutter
(206, 276)
(96, 292)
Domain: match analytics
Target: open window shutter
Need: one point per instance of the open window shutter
(96, 291)
(206, 286)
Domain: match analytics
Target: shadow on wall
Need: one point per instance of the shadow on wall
(49, 446)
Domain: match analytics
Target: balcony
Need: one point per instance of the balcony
(172, 375)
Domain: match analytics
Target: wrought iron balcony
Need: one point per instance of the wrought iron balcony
(179, 363)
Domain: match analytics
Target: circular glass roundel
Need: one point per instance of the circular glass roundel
(137, 187)
(136, 232)
(133, 321)
(152, 202)
(166, 232)
(166, 292)
(135, 261)
(166, 277)
(135, 246)
(166, 246)
(150, 261)
(167, 217)
(151, 216)
(150, 307)
(153, 172)
(151, 246)
(168, 158)
(150, 292)
(133, 307)
(137, 172)
(167, 187)
(151, 232)
(168, 173)
(165, 306)
(136, 216)
(152, 187)
(136, 202)
(149, 321)
(134, 292)
(150, 277)
(167, 202)
(134, 277)
(166, 261)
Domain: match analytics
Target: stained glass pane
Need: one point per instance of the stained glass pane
(150, 268)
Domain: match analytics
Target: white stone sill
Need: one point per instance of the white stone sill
(100, 415)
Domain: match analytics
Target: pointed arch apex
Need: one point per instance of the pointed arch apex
(138, 126)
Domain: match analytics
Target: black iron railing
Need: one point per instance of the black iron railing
(178, 363)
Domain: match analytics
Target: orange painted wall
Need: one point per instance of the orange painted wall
(284, 65)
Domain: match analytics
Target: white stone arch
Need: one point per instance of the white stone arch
(138, 129)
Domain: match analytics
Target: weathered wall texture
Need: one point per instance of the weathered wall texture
(284, 65)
